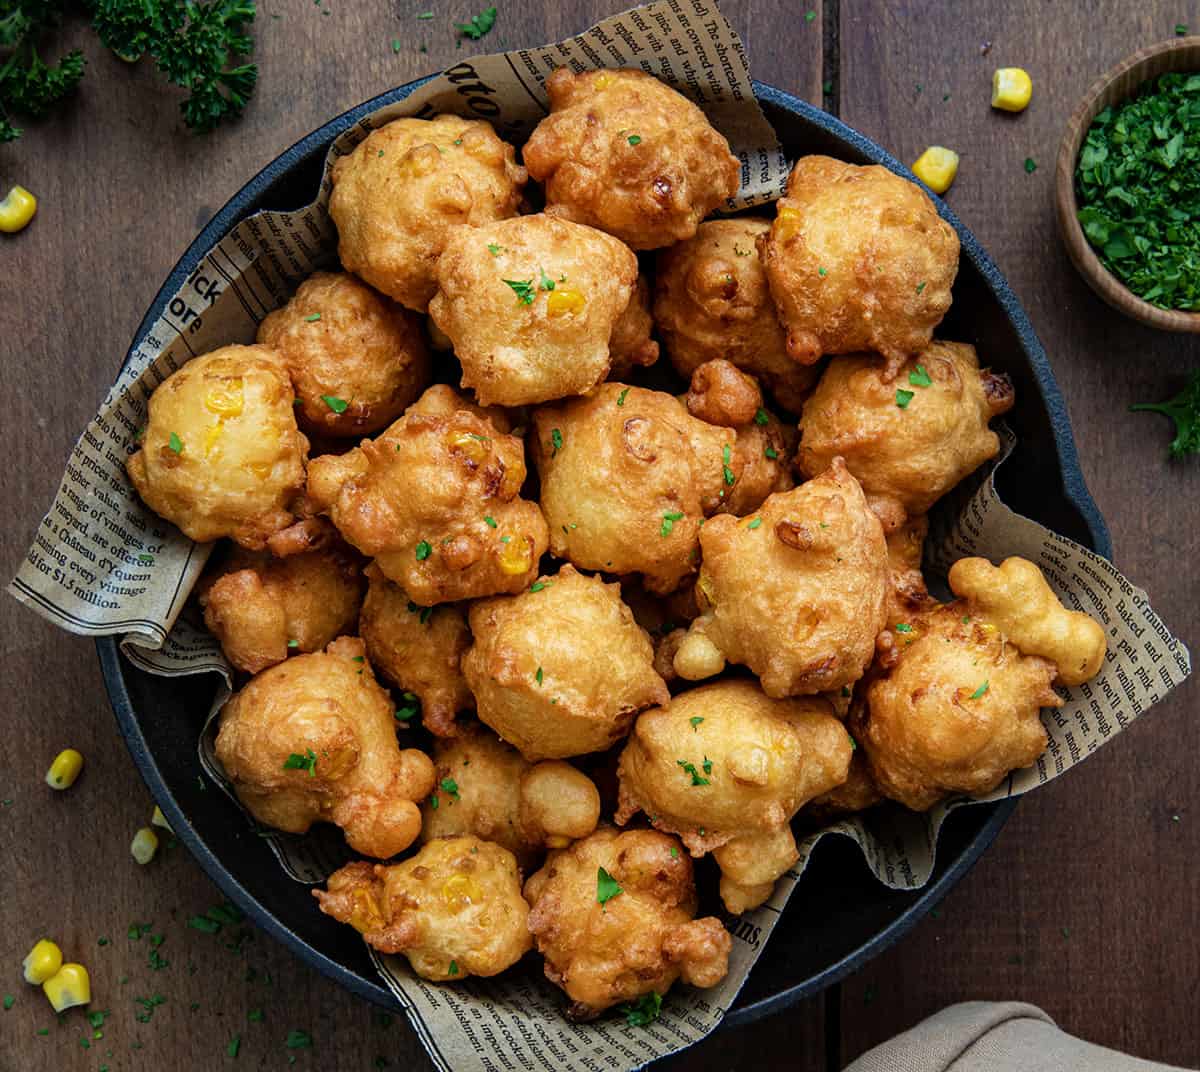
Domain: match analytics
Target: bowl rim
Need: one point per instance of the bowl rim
(1106, 285)
(113, 665)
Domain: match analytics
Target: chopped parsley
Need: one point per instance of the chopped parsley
(822, 273)
(489, 521)
(453, 969)
(690, 768)
(621, 397)
(539, 676)
(979, 691)
(523, 289)
(921, 286)
(307, 762)
(9, 1002)
(313, 318)
(755, 523)
(203, 923)
(556, 441)
(409, 709)
(433, 801)
(634, 139)
(607, 887)
(761, 417)
(770, 452)
(668, 522)
(903, 398)
(423, 613)
(674, 853)
(810, 15)
(695, 720)
(424, 549)
(494, 249)
(725, 456)
(537, 586)
(175, 443)
(293, 644)
(646, 1009)
(853, 742)
(235, 1044)
(1030, 165)
(545, 283)
(904, 627)
(395, 48)
(1184, 410)
(707, 765)
(920, 378)
(479, 26)
(298, 1040)
(450, 786)
(338, 405)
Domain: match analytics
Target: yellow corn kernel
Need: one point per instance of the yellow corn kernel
(602, 81)
(65, 769)
(460, 890)
(17, 209)
(68, 987)
(160, 820)
(43, 962)
(564, 300)
(1011, 89)
(226, 399)
(515, 556)
(144, 845)
(473, 446)
(212, 437)
(365, 915)
(936, 167)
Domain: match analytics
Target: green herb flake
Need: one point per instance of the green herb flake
(921, 286)
(479, 26)
(409, 709)
(539, 677)
(771, 453)
(494, 249)
(395, 48)
(298, 1040)
(425, 15)
(433, 801)
(489, 521)
(853, 743)
(450, 786)
(1030, 165)
(904, 627)
(690, 768)
(556, 441)
(523, 289)
(255, 1016)
(646, 1009)
(695, 720)
(761, 417)
(453, 969)
(821, 272)
(1184, 410)
(235, 1044)
(726, 454)
(621, 397)
(1180, 29)
(338, 405)
(537, 586)
(545, 282)
(9, 1002)
(203, 923)
(607, 887)
(755, 523)
(312, 319)
(293, 644)
(424, 550)
(668, 522)
(307, 762)
(979, 691)
(809, 16)
(175, 443)
(920, 377)
(903, 398)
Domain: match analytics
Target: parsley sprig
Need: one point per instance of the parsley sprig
(1184, 410)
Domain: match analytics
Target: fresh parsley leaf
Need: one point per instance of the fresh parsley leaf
(175, 443)
(979, 691)
(338, 405)
(450, 786)
(668, 522)
(424, 550)
(494, 249)
(607, 887)
(646, 1009)
(771, 453)
(621, 397)
(634, 139)
(920, 377)
(904, 627)
(489, 521)
(755, 523)
(1030, 165)
(307, 762)
(523, 289)
(761, 417)
(298, 1040)
(903, 398)
(1184, 410)
(556, 441)
(690, 768)
(545, 283)
(313, 318)
(695, 720)
(539, 677)
(479, 25)
(409, 709)
(453, 969)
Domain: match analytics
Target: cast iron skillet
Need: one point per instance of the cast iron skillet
(839, 916)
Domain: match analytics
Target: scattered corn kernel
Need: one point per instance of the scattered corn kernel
(16, 210)
(1011, 89)
(563, 301)
(787, 222)
(68, 987)
(144, 845)
(936, 167)
(213, 436)
(43, 962)
(226, 399)
(473, 446)
(460, 890)
(65, 769)
(515, 556)
(158, 819)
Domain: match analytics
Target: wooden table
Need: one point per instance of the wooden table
(1086, 905)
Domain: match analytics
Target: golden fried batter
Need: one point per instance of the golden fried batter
(956, 711)
(562, 669)
(436, 500)
(355, 358)
(398, 194)
(454, 909)
(797, 591)
(530, 305)
(486, 788)
(630, 345)
(623, 152)
(614, 916)
(417, 649)
(857, 793)
(857, 259)
(905, 456)
(1015, 597)
(721, 393)
(313, 740)
(761, 463)
(712, 301)
(262, 608)
(627, 474)
(221, 454)
(907, 594)
(726, 768)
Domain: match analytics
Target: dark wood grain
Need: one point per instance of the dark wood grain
(1086, 904)
(122, 190)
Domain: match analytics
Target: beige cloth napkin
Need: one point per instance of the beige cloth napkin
(987, 1036)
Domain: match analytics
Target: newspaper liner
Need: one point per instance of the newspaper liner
(102, 564)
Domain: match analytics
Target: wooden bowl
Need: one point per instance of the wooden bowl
(1113, 87)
